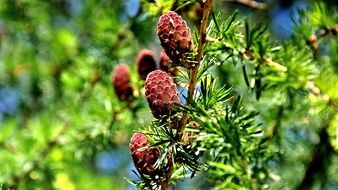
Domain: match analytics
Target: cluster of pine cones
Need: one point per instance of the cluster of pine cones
(160, 90)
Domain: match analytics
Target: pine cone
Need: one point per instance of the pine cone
(165, 64)
(188, 137)
(175, 36)
(161, 93)
(121, 82)
(143, 156)
(145, 63)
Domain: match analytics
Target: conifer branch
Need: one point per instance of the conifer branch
(315, 90)
(206, 5)
(313, 39)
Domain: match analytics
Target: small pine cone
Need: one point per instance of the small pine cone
(161, 93)
(175, 36)
(143, 156)
(165, 64)
(189, 137)
(313, 41)
(121, 82)
(145, 63)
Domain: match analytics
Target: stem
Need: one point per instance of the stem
(165, 184)
(313, 39)
(319, 93)
(206, 4)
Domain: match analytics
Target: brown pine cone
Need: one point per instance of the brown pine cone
(166, 64)
(145, 63)
(161, 93)
(143, 156)
(121, 82)
(175, 36)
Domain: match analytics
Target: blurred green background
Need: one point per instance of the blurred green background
(61, 125)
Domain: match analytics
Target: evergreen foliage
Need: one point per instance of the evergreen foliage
(255, 112)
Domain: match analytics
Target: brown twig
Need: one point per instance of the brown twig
(313, 39)
(165, 184)
(311, 86)
(251, 4)
(206, 5)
